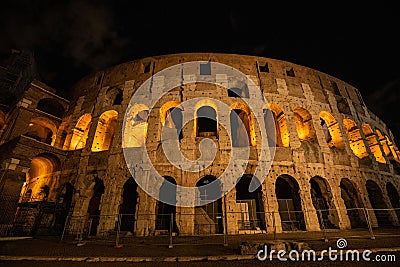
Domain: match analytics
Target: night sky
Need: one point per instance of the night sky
(71, 39)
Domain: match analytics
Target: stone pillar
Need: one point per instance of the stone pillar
(341, 210)
(291, 126)
(232, 212)
(272, 217)
(307, 206)
(185, 220)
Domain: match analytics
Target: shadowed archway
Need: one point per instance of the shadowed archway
(287, 193)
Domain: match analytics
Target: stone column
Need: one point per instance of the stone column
(307, 206)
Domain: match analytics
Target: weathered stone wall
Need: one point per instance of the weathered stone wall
(297, 90)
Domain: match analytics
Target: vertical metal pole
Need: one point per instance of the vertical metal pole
(90, 226)
(369, 223)
(323, 226)
(65, 226)
(274, 224)
(225, 223)
(171, 223)
(117, 245)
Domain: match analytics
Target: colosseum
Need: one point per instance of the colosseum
(335, 164)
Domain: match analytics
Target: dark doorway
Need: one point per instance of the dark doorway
(208, 215)
(206, 122)
(353, 204)
(94, 205)
(288, 196)
(165, 210)
(378, 204)
(251, 203)
(127, 209)
(322, 200)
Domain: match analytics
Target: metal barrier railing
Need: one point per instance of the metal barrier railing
(202, 228)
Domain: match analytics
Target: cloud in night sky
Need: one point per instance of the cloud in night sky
(72, 38)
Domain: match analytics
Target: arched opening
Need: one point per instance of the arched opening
(304, 124)
(289, 203)
(394, 198)
(94, 205)
(250, 203)
(373, 142)
(384, 143)
(331, 130)
(393, 149)
(105, 131)
(41, 129)
(353, 203)
(355, 139)
(127, 208)
(206, 121)
(208, 215)
(42, 171)
(80, 132)
(51, 106)
(114, 96)
(322, 200)
(165, 210)
(136, 124)
(240, 128)
(273, 115)
(171, 117)
(63, 138)
(378, 203)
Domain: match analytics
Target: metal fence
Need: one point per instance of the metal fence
(202, 228)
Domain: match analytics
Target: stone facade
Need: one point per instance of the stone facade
(334, 158)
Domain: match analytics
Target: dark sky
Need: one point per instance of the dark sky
(70, 39)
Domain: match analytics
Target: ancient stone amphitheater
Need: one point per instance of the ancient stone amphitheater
(335, 165)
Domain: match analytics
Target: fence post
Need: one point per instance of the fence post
(225, 223)
(65, 226)
(369, 223)
(322, 225)
(117, 245)
(171, 228)
(274, 224)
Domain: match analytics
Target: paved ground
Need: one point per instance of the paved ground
(187, 251)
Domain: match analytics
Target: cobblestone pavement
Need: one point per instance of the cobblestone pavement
(155, 249)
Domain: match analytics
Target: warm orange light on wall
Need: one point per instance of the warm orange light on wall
(247, 120)
(42, 129)
(384, 143)
(355, 139)
(136, 124)
(164, 110)
(41, 173)
(304, 125)
(80, 132)
(282, 133)
(393, 149)
(105, 131)
(373, 142)
(336, 138)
